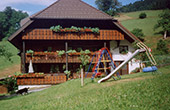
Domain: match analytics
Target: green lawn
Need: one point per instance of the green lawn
(15, 58)
(142, 91)
(147, 25)
(149, 13)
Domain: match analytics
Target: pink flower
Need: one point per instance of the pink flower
(9, 76)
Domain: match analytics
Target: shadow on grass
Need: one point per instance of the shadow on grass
(159, 33)
(12, 96)
(7, 97)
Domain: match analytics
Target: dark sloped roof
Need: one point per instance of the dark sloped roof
(71, 9)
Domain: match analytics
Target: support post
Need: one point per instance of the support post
(23, 57)
(105, 44)
(66, 49)
(82, 79)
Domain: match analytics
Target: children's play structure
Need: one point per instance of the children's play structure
(105, 62)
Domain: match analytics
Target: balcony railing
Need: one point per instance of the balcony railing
(39, 80)
(53, 57)
(47, 34)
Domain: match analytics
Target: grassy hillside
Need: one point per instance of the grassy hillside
(15, 58)
(131, 21)
(150, 13)
(136, 91)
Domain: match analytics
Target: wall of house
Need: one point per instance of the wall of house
(40, 46)
(44, 64)
(114, 49)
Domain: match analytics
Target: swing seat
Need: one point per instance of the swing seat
(150, 69)
(98, 74)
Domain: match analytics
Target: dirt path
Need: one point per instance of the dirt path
(10, 71)
(123, 17)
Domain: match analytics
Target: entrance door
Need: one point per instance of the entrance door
(124, 69)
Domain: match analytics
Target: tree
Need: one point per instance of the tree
(108, 6)
(138, 33)
(5, 53)
(162, 47)
(9, 21)
(164, 22)
(142, 15)
(145, 5)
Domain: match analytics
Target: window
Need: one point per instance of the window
(123, 49)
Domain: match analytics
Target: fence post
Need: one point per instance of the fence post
(82, 82)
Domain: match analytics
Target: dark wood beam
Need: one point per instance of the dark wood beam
(23, 57)
(66, 49)
(105, 44)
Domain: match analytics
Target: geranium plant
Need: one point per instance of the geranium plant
(11, 84)
(59, 28)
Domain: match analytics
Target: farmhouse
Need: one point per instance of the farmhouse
(76, 27)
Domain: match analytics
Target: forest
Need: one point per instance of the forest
(145, 5)
(9, 21)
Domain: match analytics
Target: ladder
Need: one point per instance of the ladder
(148, 53)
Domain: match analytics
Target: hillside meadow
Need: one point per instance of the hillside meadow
(131, 21)
(141, 91)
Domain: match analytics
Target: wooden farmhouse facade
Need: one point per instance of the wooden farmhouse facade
(35, 34)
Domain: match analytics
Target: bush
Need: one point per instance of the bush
(142, 15)
(11, 84)
(162, 47)
(138, 33)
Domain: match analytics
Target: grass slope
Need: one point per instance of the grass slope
(150, 13)
(142, 91)
(131, 21)
(15, 58)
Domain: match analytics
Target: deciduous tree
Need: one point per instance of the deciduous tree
(164, 22)
(108, 6)
(9, 21)
(138, 33)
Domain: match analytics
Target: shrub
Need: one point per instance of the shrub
(142, 15)
(5, 53)
(95, 30)
(138, 33)
(11, 84)
(60, 53)
(67, 73)
(162, 47)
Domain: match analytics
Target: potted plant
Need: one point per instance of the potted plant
(67, 73)
(87, 51)
(87, 29)
(70, 52)
(124, 52)
(31, 52)
(95, 30)
(49, 49)
(60, 53)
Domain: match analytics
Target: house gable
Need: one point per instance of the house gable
(69, 10)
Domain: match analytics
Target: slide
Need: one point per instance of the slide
(121, 65)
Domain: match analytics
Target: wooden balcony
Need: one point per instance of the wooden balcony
(45, 80)
(53, 57)
(47, 34)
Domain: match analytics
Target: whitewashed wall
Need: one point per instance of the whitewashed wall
(133, 64)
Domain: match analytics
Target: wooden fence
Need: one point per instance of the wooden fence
(41, 80)
(47, 34)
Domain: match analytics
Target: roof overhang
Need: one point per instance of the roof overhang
(120, 26)
(20, 30)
